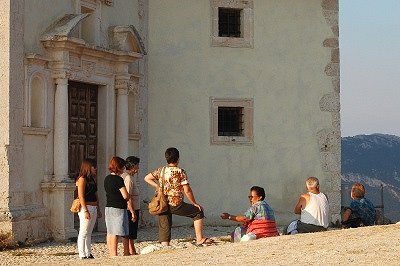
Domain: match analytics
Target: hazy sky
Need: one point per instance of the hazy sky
(370, 66)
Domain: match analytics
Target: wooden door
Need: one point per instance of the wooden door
(82, 125)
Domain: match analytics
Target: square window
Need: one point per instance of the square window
(229, 22)
(231, 121)
(232, 23)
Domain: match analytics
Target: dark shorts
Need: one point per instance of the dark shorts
(187, 210)
(309, 228)
(133, 226)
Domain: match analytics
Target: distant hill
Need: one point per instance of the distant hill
(373, 160)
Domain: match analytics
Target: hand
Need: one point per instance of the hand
(87, 215)
(225, 215)
(133, 217)
(99, 215)
(198, 206)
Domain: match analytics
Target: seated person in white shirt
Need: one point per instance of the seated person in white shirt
(313, 208)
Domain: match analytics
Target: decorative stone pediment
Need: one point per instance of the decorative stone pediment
(63, 27)
(126, 38)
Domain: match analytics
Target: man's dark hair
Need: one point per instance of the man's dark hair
(131, 161)
(172, 155)
(259, 190)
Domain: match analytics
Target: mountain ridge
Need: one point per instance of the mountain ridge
(373, 160)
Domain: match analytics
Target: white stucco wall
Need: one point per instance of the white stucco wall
(283, 73)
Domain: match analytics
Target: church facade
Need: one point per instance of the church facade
(248, 91)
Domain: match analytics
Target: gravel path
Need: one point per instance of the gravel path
(66, 253)
(379, 245)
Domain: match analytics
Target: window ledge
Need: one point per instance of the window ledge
(38, 131)
(222, 140)
(234, 42)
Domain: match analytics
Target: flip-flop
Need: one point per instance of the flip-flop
(206, 242)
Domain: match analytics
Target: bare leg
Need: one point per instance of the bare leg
(198, 229)
(132, 249)
(112, 244)
(125, 242)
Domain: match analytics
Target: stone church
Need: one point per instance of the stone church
(247, 90)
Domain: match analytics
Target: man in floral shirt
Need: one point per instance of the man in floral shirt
(173, 181)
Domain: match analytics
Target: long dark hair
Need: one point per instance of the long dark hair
(86, 168)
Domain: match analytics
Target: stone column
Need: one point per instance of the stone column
(61, 130)
(122, 126)
(59, 192)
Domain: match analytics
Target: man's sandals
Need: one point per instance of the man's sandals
(205, 242)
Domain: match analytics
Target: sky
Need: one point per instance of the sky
(370, 66)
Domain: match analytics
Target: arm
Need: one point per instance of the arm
(189, 194)
(149, 178)
(346, 215)
(236, 218)
(131, 208)
(301, 204)
(81, 183)
(124, 193)
(127, 197)
(129, 187)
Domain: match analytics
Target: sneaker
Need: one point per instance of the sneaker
(89, 257)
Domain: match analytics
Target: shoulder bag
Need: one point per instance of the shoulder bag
(159, 202)
(76, 203)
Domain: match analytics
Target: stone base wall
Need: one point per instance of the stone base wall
(28, 225)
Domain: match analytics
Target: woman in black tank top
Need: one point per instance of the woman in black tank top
(89, 212)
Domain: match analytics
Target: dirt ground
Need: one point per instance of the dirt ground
(375, 245)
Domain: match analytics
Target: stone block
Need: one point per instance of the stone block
(330, 162)
(336, 181)
(330, 5)
(336, 84)
(331, 42)
(335, 200)
(335, 55)
(336, 121)
(330, 102)
(335, 30)
(332, 69)
(332, 18)
(328, 140)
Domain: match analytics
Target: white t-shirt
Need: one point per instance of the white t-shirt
(316, 211)
(133, 189)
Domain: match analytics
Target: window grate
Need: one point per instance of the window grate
(230, 121)
(229, 22)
